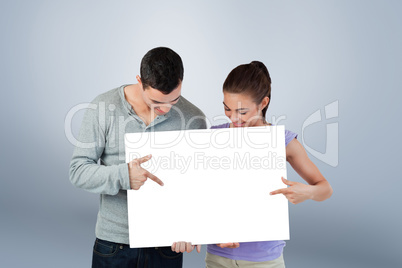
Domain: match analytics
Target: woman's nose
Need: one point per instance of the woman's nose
(234, 117)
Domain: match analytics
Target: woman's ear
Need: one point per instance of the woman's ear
(264, 102)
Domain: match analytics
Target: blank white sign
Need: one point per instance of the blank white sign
(217, 185)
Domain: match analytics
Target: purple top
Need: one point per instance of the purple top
(253, 251)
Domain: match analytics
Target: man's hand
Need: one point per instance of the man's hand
(184, 247)
(138, 175)
(229, 245)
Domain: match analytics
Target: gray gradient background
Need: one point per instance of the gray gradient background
(57, 54)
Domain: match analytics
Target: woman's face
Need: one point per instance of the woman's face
(242, 110)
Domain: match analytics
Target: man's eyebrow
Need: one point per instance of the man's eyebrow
(166, 102)
(240, 109)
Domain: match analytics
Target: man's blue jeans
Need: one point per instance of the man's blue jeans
(109, 255)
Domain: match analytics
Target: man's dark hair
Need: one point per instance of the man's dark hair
(162, 69)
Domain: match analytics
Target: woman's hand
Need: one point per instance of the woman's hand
(296, 193)
(229, 245)
(184, 247)
(318, 188)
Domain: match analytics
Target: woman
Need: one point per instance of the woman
(247, 94)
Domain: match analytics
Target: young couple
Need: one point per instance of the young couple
(155, 103)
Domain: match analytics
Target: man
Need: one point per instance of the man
(153, 104)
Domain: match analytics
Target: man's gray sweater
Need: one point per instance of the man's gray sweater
(101, 137)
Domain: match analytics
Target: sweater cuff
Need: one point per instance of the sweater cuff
(123, 175)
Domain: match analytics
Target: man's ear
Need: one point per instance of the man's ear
(139, 80)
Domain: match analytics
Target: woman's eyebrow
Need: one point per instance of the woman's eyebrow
(240, 109)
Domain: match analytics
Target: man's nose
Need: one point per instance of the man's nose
(165, 108)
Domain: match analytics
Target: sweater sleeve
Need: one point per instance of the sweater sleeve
(85, 172)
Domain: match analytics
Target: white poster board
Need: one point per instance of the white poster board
(216, 186)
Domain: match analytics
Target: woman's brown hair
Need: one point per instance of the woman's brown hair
(251, 79)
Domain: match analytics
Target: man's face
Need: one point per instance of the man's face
(158, 102)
